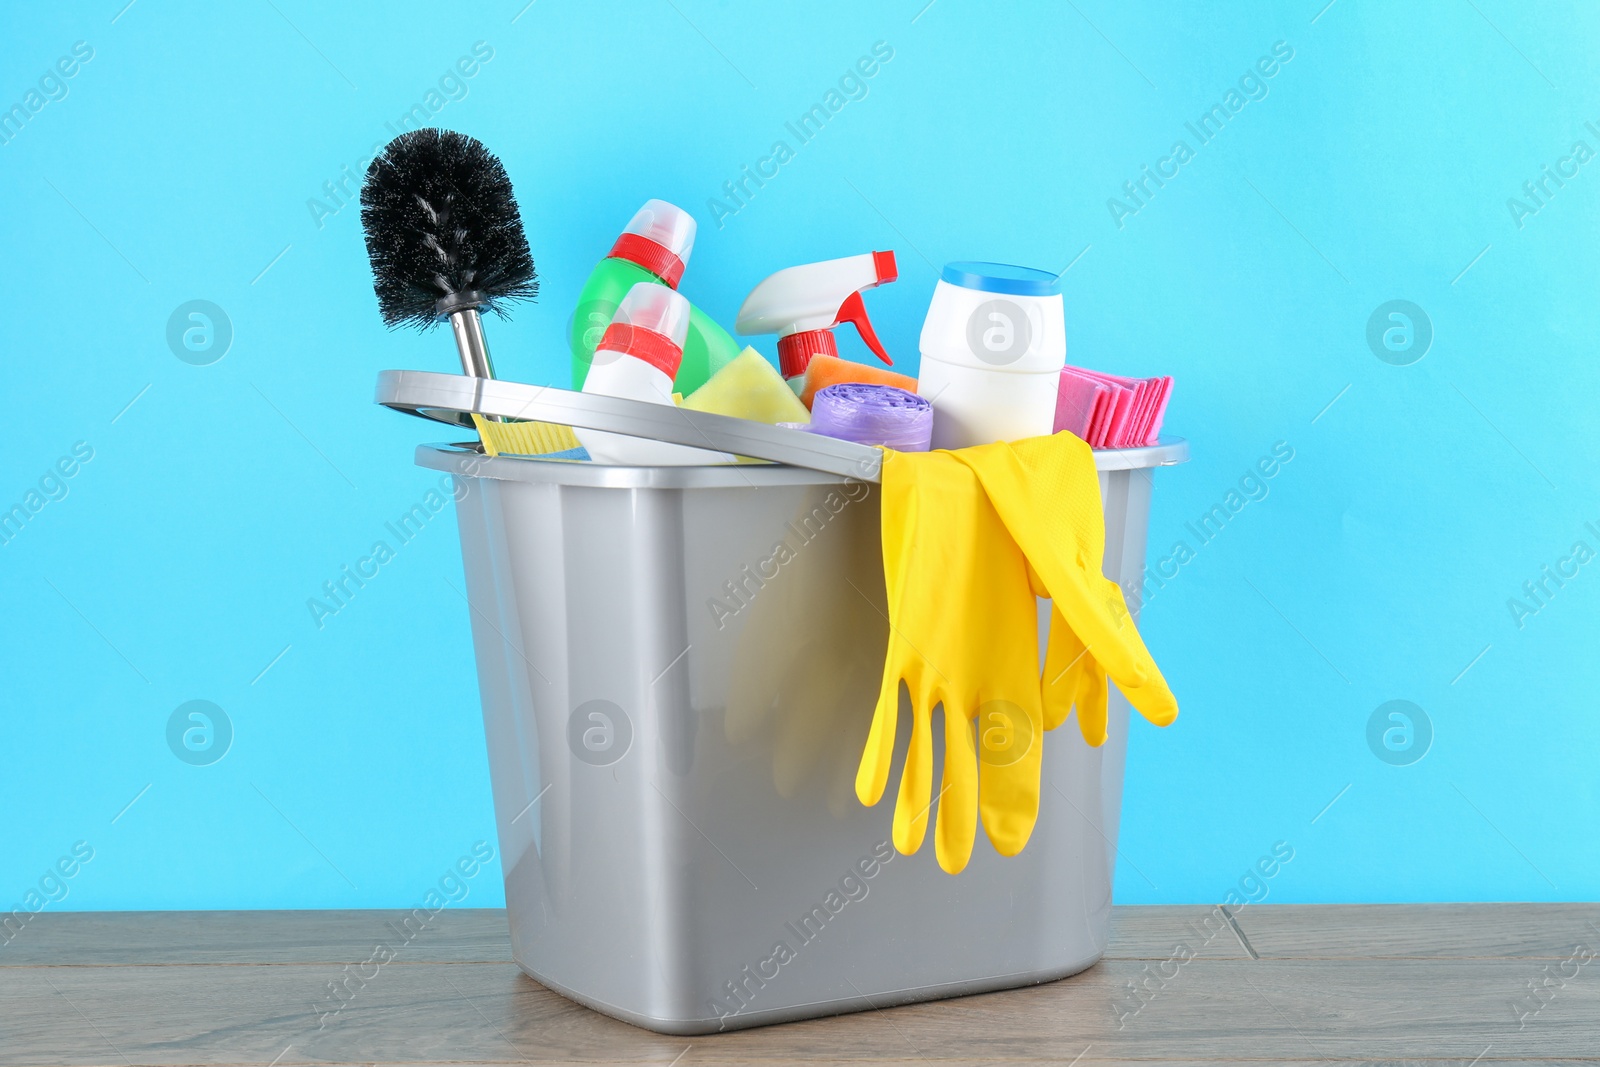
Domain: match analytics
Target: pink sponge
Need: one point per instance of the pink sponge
(1109, 411)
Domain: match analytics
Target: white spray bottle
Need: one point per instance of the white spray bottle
(637, 358)
(803, 304)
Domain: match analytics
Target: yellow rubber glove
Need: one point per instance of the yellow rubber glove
(963, 631)
(1047, 494)
(1072, 677)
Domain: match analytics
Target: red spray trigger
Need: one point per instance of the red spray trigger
(854, 312)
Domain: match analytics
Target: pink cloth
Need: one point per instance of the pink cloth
(1078, 403)
(1109, 411)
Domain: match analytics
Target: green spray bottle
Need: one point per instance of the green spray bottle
(654, 247)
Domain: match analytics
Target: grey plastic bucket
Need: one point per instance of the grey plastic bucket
(678, 667)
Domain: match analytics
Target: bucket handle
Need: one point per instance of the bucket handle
(454, 398)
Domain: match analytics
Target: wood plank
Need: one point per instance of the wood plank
(1420, 931)
(455, 935)
(467, 935)
(1345, 983)
(1154, 931)
(481, 935)
(1212, 1011)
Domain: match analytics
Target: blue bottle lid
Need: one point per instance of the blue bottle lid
(1002, 278)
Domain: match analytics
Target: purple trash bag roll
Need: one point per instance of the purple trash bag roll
(873, 415)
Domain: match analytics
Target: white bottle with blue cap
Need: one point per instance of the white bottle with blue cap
(993, 346)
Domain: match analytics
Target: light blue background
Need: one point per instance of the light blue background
(1378, 167)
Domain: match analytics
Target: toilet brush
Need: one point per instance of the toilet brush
(446, 242)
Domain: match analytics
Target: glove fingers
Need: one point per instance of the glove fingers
(873, 772)
(1108, 632)
(1073, 676)
(1148, 692)
(1106, 627)
(1064, 658)
(1153, 700)
(957, 824)
(1010, 746)
(916, 780)
(849, 742)
(1091, 700)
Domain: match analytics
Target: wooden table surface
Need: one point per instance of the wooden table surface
(1467, 984)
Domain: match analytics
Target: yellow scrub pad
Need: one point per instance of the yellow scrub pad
(749, 388)
(524, 438)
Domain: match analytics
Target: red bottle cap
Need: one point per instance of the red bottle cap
(795, 350)
(649, 255)
(659, 238)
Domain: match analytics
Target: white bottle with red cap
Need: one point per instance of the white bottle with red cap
(654, 247)
(636, 359)
(803, 304)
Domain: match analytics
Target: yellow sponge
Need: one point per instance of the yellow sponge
(749, 388)
(524, 438)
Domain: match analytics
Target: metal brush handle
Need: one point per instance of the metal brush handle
(467, 325)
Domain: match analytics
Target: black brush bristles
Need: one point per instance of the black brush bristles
(443, 230)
